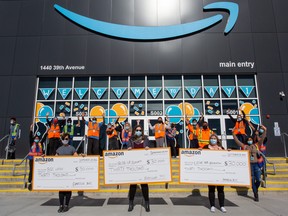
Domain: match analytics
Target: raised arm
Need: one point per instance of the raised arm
(260, 141)
(240, 144)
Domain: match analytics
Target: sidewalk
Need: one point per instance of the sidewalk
(117, 204)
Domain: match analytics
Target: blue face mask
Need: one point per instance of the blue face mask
(138, 133)
(250, 142)
(213, 141)
(36, 140)
(194, 123)
(261, 131)
(94, 121)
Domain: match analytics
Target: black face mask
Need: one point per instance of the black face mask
(205, 126)
(159, 121)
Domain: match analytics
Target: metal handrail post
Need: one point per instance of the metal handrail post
(7, 147)
(284, 143)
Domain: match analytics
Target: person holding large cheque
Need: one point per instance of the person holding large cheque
(65, 150)
(214, 144)
(253, 147)
(138, 141)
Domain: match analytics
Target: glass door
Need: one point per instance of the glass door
(135, 120)
(217, 125)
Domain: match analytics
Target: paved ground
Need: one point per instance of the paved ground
(116, 204)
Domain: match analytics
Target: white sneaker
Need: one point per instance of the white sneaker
(223, 209)
(212, 209)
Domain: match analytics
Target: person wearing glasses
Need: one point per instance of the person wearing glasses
(137, 141)
(65, 150)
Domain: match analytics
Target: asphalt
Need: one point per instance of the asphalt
(161, 204)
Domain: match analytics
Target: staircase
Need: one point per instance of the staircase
(278, 182)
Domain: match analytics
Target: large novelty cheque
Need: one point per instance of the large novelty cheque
(215, 167)
(137, 166)
(66, 173)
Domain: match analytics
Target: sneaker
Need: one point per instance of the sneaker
(60, 209)
(212, 209)
(66, 208)
(223, 209)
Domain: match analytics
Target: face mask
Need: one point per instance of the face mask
(261, 131)
(69, 123)
(213, 141)
(127, 128)
(109, 126)
(194, 123)
(36, 140)
(94, 121)
(65, 142)
(11, 122)
(159, 121)
(250, 142)
(55, 121)
(239, 119)
(205, 126)
(138, 133)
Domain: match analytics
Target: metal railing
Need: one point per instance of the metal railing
(25, 170)
(284, 143)
(6, 148)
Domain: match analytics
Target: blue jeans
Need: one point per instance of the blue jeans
(256, 176)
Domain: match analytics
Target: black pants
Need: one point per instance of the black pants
(221, 196)
(30, 171)
(171, 143)
(12, 149)
(11, 155)
(145, 191)
(113, 144)
(194, 143)
(63, 195)
(54, 144)
(93, 147)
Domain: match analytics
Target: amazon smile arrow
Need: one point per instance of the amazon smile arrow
(155, 32)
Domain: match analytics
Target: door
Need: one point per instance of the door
(140, 120)
(217, 125)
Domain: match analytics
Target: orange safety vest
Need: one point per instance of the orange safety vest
(159, 131)
(193, 132)
(113, 134)
(93, 130)
(239, 128)
(123, 136)
(204, 137)
(54, 132)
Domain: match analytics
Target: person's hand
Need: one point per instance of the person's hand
(15, 139)
(147, 147)
(31, 127)
(130, 148)
(200, 149)
(83, 155)
(77, 125)
(229, 149)
(228, 111)
(43, 155)
(82, 114)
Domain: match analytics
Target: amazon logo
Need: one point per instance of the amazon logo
(156, 32)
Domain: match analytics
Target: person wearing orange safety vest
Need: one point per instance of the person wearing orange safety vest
(54, 133)
(204, 135)
(126, 134)
(253, 147)
(112, 135)
(159, 131)
(194, 130)
(93, 135)
(240, 125)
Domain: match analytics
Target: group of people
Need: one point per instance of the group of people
(200, 137)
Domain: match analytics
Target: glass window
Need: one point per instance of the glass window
(211, 86)
(81, 88)
(173, 87)
(193, 86)
(137, 85)
(154, 88)
(155, 108)
(137, 108)
(46, 89)
(212, 107)
(228, 86)
(80, 107)
(246, 84)
(118, 89)
(64, 88)
(99, 86)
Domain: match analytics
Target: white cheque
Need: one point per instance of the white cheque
(215, 167)
(66, 173)
(137, 166)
